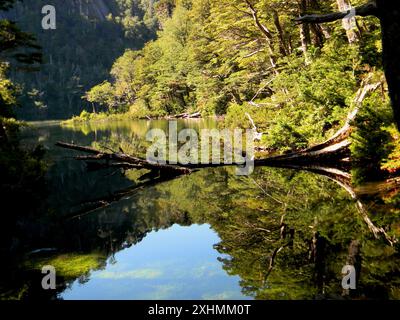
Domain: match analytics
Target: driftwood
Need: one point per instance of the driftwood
(123, 160)
(185, 116)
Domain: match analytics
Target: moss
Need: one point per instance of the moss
(69, 266)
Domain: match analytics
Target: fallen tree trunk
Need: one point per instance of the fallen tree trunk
(334, 150)
(332, 153)
(168, 172)
(185, 116)
(125, 160)
(337, 147)
(345, 131)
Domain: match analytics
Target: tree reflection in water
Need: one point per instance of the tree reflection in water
(286, 233)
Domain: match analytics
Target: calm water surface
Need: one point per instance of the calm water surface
(277, 234)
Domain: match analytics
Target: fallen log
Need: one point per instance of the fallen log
(185, 116)
(334, 150)
(344, 132)
(330, 154)
(337, 147)
(124, 160)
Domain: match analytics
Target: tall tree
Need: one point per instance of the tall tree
(17, 49)
(388, 12)
(350, 23)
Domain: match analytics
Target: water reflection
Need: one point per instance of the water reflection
(280, 233)
(178, 263)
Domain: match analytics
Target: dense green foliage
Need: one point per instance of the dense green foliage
(248, 214)
(211, 56)
(90, 35)
(234, 58)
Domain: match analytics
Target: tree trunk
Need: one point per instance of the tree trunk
(304, 31)
(349, 24)
(317, 35)
(124, 160)
(282, 44)
(322, 31)
(267, 34)
(337, 147)
(389, 14)
(388, 11)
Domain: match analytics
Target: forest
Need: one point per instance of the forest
(316, 81)
(77, 55)
(254, 64)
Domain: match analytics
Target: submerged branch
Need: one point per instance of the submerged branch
(168, 172)
(102, 203)
(376, 231)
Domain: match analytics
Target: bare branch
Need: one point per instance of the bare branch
(256, 19)
(369, 9)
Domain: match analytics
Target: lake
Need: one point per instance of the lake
(275, 234)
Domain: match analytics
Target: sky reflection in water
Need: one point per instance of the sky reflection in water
(177, 263)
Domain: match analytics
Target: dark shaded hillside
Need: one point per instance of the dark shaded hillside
(90, 35)
(95, 9)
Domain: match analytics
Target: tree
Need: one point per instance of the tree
(234, 57)
(17, 49)
(388, 12)
(102, 94)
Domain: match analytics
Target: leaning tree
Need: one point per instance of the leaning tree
(388, 12)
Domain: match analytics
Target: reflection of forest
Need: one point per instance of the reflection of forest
(286, 233)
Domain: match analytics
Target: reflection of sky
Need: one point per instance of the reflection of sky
(178, 263)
